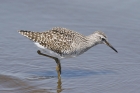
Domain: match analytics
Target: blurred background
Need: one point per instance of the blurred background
(99, 70)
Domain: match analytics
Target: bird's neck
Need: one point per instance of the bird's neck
(91, 40)
(87, 43)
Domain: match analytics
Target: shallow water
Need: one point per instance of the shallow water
(99, 70)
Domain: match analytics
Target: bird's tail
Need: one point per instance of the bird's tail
(35, 36)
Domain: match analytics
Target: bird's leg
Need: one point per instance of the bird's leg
(58, 67)
(39, 52)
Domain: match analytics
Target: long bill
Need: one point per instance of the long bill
(108, 44)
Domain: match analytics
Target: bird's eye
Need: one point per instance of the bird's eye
(103, 39)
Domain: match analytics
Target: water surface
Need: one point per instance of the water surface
(99, 70)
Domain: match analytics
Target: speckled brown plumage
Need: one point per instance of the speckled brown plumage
(58, 39)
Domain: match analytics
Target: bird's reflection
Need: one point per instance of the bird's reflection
(59, 86)
(59, 83)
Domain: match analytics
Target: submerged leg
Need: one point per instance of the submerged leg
(58, 67)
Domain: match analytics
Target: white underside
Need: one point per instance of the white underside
(49, 52)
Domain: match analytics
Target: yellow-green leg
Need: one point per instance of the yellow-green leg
(58, 67)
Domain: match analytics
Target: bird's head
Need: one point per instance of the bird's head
(101, 38)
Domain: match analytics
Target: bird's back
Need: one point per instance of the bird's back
(59, 40)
